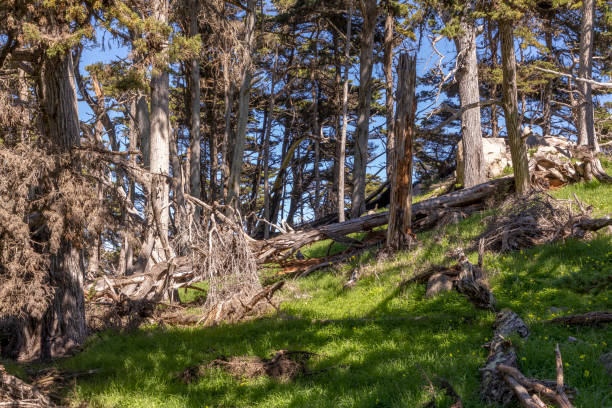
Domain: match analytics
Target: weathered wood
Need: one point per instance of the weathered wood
(283, 245)
(472, 284)
(494, 388)
(510, 105)
(585, 319)
(399, 232)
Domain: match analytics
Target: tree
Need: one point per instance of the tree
(243, 103)
(518, 149)
(159, 153)
(586, 125)
(345, 90)
(399, 231)
(195, 137)
(469, 95)
(388, 70)
(369, 13)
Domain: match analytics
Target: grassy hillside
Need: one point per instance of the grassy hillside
(378, 337)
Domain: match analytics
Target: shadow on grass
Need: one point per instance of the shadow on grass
(381, 358)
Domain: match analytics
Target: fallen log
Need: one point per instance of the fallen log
(585, 319)
(284, 245)
(522, 385)
(494, 388)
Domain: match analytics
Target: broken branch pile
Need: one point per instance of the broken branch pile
(17, 393)
(524, 222)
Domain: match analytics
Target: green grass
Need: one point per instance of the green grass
(380, 337)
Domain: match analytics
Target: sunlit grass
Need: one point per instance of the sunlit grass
(380, 337)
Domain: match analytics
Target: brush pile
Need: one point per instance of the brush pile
(17, 393)
(524, 222)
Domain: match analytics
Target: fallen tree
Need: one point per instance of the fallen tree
(283, 246)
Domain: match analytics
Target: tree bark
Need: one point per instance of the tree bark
(586, 125)
(399, 232)
(342, 148)
(388, 69)
(518, 149)
(369, 13)
(266, 147)
(160, 129)
(467, 76)
(63, 325)
(243, 112)
(195, 137)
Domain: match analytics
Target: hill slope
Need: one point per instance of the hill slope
(377, 338)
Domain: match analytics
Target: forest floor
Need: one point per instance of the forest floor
(376, 339)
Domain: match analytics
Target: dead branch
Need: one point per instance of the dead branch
(494, 389)
(585, 319)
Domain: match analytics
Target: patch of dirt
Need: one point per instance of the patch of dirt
(284, 366)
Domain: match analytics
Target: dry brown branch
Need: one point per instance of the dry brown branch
(494, 389)
(15, 392)
(585, 319)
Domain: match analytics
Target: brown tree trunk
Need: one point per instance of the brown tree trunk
(586, 125)
(369, 12)
(195, 137)
(399, 232)
(548, 88)
(467, 75)
(388, 69)
(518, 149)
(342, 148)
(228, 101)
(316, 130)
(493, 44)
(63, 325)
(266, 147)
(243, 112)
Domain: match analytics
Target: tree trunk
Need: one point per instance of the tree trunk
(266, 147)
(160, 129)
(243, 112)
(399, 232)
(195, 137)
(586, 125)
(547, 93)
(510, 103)
(342, 148)
(493, 44)
(63, 325)
(369, 13)
(467, 75)
(388, 69)
(316, 130)
(228, 102)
